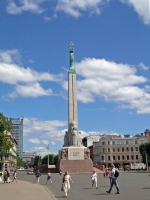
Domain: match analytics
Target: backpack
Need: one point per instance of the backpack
(116, 173)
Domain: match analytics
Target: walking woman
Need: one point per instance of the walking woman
(94, 179)
(14, 176)
(49, 177)
(66, 183)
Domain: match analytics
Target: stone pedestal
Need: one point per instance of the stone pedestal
(75, 160)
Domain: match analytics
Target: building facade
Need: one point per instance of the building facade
(8, 160)
(28, 158)
(118, 150)
(17, 132)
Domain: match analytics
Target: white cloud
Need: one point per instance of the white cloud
(46, 142)
(142, 7)
(26, 79)
(74, 7)
(34, 141)
(24, 5)
(112, 82)
(9, 56)
(50, 130)
(142, 66)
(53, 143)
(46, 18)
(32, 90)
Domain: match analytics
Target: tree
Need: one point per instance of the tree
(145, 149)
(55, 159)
(20, 163)
(51, 159)
(5, 125)
(37, 160)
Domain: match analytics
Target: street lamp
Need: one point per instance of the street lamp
(48, 154)
(146, 161)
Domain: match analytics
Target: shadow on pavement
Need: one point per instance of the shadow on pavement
(146, 188)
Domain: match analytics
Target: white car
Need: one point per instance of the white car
(21, 169)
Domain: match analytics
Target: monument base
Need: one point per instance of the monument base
(75, 160)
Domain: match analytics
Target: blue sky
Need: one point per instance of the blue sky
(112, 51)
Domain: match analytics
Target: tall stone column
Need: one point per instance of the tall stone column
(72, 91)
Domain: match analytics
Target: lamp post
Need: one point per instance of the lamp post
(48, 154)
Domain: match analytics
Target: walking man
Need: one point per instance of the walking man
(37, 174)
(114, 176)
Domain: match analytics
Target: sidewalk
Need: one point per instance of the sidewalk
(23, 190)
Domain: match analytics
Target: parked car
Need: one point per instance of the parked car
(21, 169)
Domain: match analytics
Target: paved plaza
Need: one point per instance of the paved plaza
(133, 186)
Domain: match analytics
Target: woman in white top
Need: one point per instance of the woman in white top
(66, 183)
(94, 179)
(49, 177)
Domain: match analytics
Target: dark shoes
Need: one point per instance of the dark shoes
(117, 193)
(108, 192)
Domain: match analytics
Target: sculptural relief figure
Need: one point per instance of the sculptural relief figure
(72, 136)
(64, 154)
(86, 153)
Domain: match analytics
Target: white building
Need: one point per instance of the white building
(17, 132)
(28, 158)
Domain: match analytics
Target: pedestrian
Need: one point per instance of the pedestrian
(110, 178)
(14, 176)
(66, 182)
(60, 172)
(49, 177)
(94, 179)
(114, 176)
(5, 177)
(8, 177)
(106, 172)
(37, 174)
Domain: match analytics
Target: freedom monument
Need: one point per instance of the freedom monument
(73, 157)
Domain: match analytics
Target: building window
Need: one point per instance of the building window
(102, 157)
(108, 157)
(122, 149)
(108, 149)
(118, 149)
(103, 150)
(127, 142)
(108, 143)
(113, 142)
(136, 148)
(103, 143)
(137, 157)
(127, 148)
(136, 142)
(131, 148)
(127, 157)
(122, 157)
(114, 157)
(113, 149)
(118, 157)
(132, 157)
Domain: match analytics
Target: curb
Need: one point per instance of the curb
(50, 193)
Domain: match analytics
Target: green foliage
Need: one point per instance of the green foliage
(145, 149)
(5, 145)
(5, 123)
(37, 160)
(52, 159)
(20, 163)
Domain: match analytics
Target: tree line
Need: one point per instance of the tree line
(41, 161)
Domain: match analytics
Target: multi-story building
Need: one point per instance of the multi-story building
(88, 140)
(17, 132)
(8, 159)
(118, 150)
(28, 158)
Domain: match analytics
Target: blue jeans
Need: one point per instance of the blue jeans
(114, 182)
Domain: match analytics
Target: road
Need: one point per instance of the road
(133, 186)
